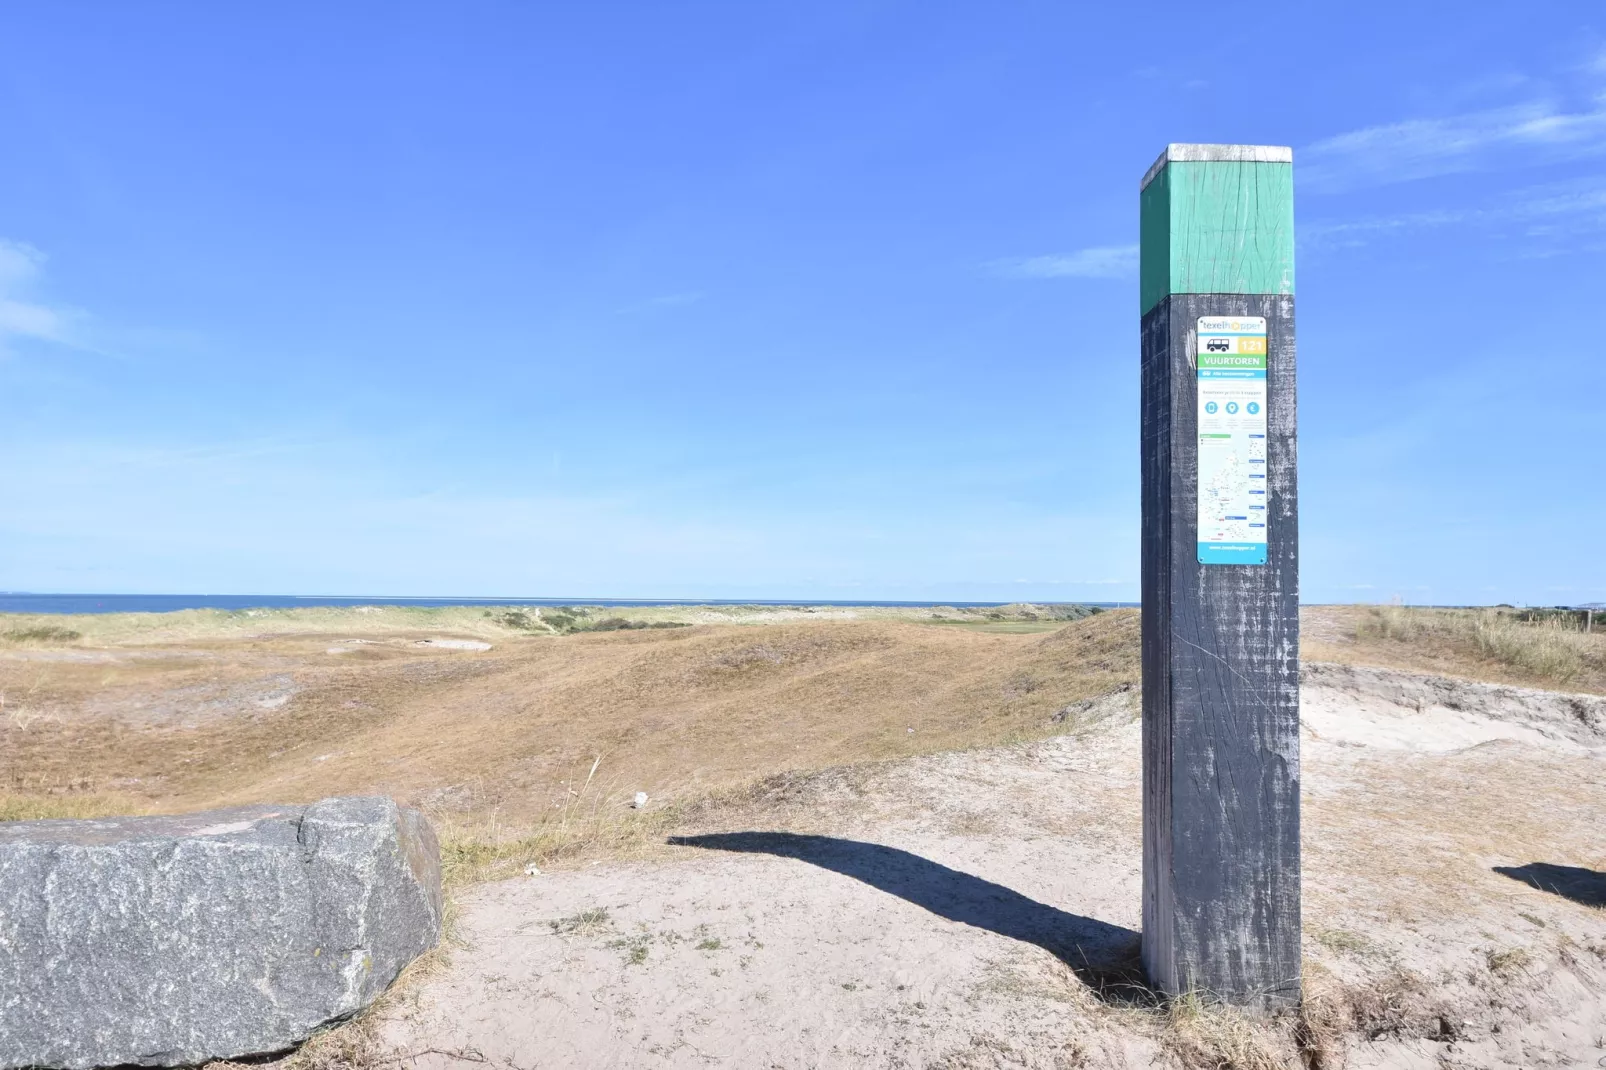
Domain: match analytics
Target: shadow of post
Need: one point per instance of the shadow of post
(1581, 885)
(1104, 956)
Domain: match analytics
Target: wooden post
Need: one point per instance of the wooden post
(1220, 576)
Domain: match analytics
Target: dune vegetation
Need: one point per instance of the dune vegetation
(1532, 648)
(529, 751)
(526, 735)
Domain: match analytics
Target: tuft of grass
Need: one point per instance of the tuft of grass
(518, 619)
(1390, 622)
(1547, 649)
(41, 633)
(595, 820)
(1204, 1035)
(1325, 1016)
(634, 947)
(1574, 619)
(1397, 1005)
(1342, 940)
(585, 923)
(351, 1045)
(565, 619)
(620, 624)
(1507, 961)
(712, 943)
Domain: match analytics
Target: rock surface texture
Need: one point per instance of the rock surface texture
(166, 941)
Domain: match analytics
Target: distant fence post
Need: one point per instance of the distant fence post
(1221, 876)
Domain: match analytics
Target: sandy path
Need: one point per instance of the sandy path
(933, 936)
(968, 910)
(758, 961)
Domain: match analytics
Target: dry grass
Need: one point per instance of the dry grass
(488, 622)
(1342, 941)
(1485, 644)
(114, 629)
(502, 746)
(171, 712)
(1394, 1005)
(38, 807)
(593, 823)
(530, 753)
(1325, 1019)
(1203, 1035)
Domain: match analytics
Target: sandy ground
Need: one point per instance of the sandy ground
(978, 909)
(999, 887)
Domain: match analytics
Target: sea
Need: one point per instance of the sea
(28, 602)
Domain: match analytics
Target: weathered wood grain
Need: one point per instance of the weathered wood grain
(1217, 219)
(1221, 910)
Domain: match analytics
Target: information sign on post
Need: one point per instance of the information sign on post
(1221, 897)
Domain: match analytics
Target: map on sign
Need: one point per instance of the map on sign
(1233, 496)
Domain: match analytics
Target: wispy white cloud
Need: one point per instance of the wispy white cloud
(1571, 212)
(1354, 232)
(1097, 262)
(1538, 132)
(19, 262)
(20, 316)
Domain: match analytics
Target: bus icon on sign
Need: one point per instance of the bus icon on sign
(1218, 345)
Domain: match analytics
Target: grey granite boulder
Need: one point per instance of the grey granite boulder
(166, 941)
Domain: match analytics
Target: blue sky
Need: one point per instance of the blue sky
(748, 300)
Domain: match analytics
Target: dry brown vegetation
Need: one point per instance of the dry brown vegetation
(1496, 645)
(530, 748)
(529, 751)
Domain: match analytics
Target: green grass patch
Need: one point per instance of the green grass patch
(41, 633)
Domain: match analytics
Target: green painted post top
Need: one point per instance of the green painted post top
(1217, 219)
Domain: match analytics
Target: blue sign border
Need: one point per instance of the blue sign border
(1232, 553)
